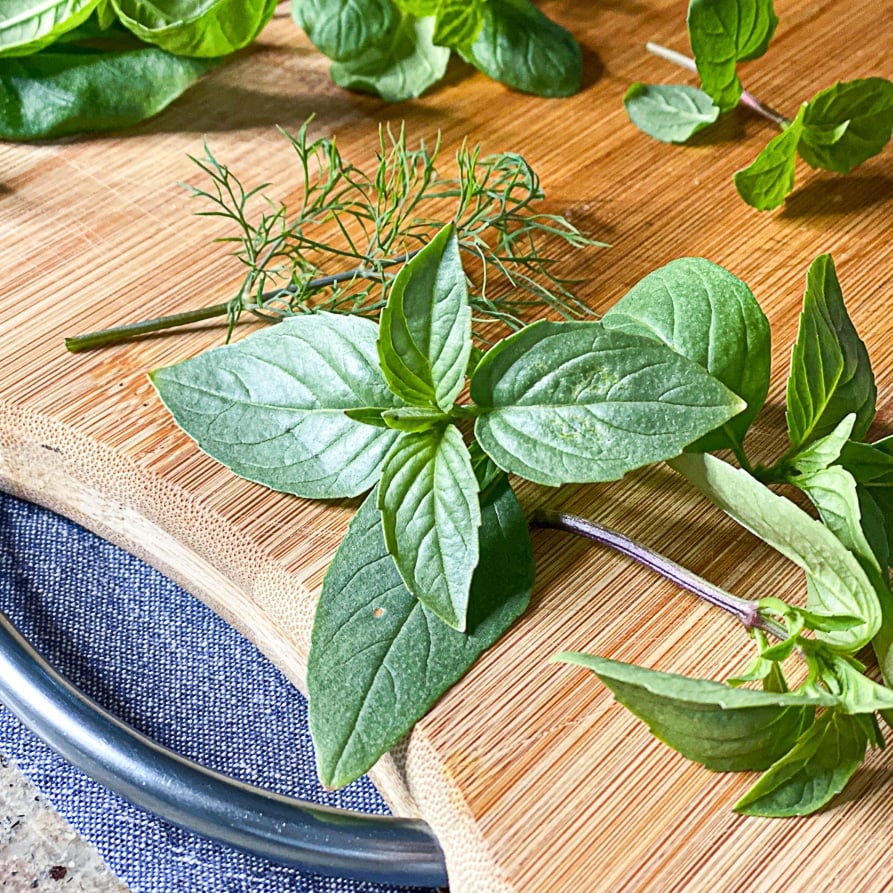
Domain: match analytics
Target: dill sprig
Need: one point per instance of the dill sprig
(354, 229)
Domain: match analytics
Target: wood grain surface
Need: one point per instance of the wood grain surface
(532, 777)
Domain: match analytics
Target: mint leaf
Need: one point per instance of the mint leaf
(847, 124)
(273, 406)
(770, 178)
(428, 497)
(196, 29)
(425, 333)
(520, 46)
(379, 658)
(401, 65)
(723, 728)
(704, 313)
(723, 33)
(341, 30)
(830, 371)
(840, 584)
(821, 763)
(565, 402)
(668, 112)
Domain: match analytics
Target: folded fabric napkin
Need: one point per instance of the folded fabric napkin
(164, 663)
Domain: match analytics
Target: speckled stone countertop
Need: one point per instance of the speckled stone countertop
(38, 849)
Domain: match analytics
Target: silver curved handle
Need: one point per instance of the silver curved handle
(282, 829)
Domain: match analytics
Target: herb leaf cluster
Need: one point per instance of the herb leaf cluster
(327, 405)
(838, 129)
(79, 65)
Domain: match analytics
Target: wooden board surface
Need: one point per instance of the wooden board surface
(532, 777)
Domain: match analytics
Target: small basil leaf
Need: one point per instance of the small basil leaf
(577, 402)
(858, 693)
(723, 728)
(723, 33)
(841, 585)
(823, 760)
(343, 30)
(704, 313)
(428, 497)
(869, 463)
(824, 451)
(379, 658)
(671, 113)
(524, 49)
(273, 406)
(425, 334)
(830, 370)
(414, 418)
(400, 66)
(847, 123)
(770, 178)
(66, 90)
(207, 29)
(27, 26)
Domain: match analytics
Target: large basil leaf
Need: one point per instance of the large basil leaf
(839, 584)
(723, 33)
(342, 30)
(66, 90)
(847, 123)
(203, 28)
(703, 312)
(428, 497)
(402, 65)
(671, 113)
(273, 406)
(520, 46)
(768, 181)
(577, 402)
(379, 658)
(425, 334)
(723, 728)
(811, 773)
(27, 26)
(830, 370)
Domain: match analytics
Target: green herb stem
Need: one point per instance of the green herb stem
(747, 98)
(745, 610)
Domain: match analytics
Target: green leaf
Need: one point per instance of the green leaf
(830, 371)
(273, 406)
(847, 123)
(458, 22)
(342, 29)
(200, 28)
(824, 451)
(769, 180)
(723, 33)
(671, 113)
(723, 728)
(413, 418)
(704, 313)
(841, 586)
(27, 26)
(66, 90)
(428, 497)
(379, 658)
(524, 49)
(401, 66)
(577, 402)
(821, 763)
(869, 463)
(425, 335)
(857, 693)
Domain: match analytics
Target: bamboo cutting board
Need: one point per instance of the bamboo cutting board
(531, 776)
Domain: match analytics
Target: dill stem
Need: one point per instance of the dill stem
(745, 610)
(117, 334)
(747, 98)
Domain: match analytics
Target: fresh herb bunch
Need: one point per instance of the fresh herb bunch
(79, 65)
(437, 562)
(838, 129)
(339, 250)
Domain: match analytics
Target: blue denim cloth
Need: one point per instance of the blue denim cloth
(161, 661)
